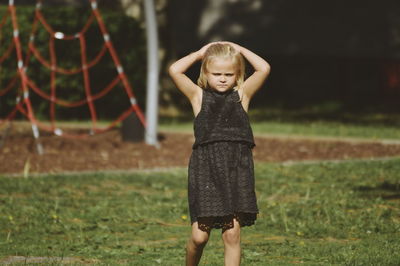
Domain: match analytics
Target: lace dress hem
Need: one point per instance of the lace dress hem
(225, 222)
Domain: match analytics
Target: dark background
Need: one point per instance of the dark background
(329, 58)
(341, 55)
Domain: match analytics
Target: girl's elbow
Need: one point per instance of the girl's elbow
(172, 71)
(266, 68)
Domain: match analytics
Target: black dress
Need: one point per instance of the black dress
(221, 170)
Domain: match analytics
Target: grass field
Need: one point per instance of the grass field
(323, 120)
(294, 123)
(318, 214)
(309, 129)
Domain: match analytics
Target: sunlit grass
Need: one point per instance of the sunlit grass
(319, 120)
(308, 129)
(265, 124)
(327, 129)
(318, 214)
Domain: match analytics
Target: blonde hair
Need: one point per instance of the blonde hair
(222, 50)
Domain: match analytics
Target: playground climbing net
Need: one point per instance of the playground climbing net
(25, 85)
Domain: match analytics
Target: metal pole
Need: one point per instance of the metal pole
(152, 73)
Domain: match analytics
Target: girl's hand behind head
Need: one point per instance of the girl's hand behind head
(235, 46)
(203, 49)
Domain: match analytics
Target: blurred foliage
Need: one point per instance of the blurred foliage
(126, 35)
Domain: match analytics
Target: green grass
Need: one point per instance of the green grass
(327, 129)
(307, 129)
(317, 214)
(327, 119)
(289, 123)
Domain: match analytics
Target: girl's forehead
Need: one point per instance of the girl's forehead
(221, 63)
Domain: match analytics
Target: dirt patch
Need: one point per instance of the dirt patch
(108, 152)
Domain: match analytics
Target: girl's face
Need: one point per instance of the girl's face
(221, 74)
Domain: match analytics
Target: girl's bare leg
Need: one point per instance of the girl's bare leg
(195, 245)
(231, 238)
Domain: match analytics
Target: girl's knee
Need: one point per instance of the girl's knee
(199, 239)
(231, 236)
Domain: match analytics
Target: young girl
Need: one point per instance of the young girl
(221, 172)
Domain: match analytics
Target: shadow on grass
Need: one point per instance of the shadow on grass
(385, 190)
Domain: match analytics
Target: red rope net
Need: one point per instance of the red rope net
(24, 84)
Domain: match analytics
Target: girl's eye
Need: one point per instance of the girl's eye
(229, 75)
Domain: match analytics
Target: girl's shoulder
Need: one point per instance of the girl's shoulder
(243, 99)
(197, 101)
(240, 92)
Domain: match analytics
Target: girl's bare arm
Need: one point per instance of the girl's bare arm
(177, 72)
(261, 71)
